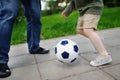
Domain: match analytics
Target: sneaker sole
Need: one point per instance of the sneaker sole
(108, 62)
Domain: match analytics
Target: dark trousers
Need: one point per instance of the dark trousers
(8, 12)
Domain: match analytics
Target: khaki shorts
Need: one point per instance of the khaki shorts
(88, 21)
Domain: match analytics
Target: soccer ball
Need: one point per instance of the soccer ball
(66, 51)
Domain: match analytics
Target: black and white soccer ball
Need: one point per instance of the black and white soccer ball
(66, 51)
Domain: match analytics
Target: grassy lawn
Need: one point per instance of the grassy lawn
(56, 26)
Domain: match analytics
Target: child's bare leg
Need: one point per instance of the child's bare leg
(95, 39)
(81, 32)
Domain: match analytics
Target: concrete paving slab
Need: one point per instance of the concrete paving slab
(49, 44)
(45, 57)
(55, 70)
(92, 75)
(111, 36)
(114, 71)
(18, 50)
(5, 78)
(26, 73)
(75, 38)
(110, 33)
(115, 53)
(89, 56)
(21, 61)
(112, 41)
(87, 47)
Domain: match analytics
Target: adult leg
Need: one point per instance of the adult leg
(8, 11)
(33, 15)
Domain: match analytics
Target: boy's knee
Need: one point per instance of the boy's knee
(79, 31)
(88, 31)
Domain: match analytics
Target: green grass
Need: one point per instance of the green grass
(110, 18)
(56, 26)
(19, 33)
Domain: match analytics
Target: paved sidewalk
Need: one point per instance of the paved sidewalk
(25, 66)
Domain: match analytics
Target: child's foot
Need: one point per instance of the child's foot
(101, 60)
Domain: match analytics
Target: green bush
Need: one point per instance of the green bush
(112, 3)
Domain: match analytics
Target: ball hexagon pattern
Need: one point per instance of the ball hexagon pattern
(65, 55)
(66, 51)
